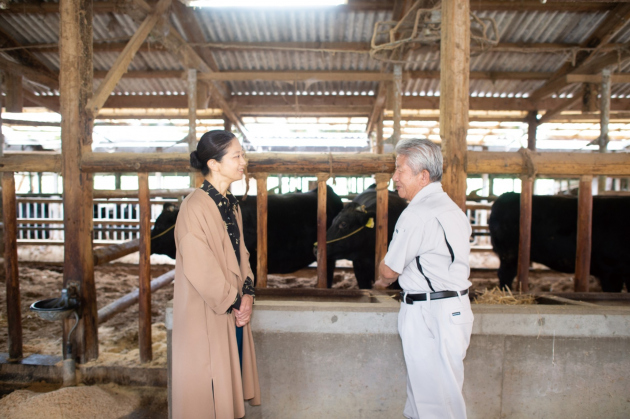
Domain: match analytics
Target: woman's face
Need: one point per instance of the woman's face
(233, 162)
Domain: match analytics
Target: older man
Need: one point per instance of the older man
(429, 256)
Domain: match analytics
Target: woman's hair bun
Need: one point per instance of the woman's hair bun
(195, 163)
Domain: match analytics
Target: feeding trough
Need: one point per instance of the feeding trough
(54, 309)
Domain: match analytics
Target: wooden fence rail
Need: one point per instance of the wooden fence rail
(581, 165)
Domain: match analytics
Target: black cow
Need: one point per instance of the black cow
(291, 230)
(360, 246)
(554, 231)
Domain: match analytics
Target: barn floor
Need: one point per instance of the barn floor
(119, 336)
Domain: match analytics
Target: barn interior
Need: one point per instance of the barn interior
(103, 100)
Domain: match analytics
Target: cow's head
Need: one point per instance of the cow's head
(349, 230)
(163, 233)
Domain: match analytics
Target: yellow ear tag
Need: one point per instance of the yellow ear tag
(370, 223)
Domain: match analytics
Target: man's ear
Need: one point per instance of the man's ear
(426, 177)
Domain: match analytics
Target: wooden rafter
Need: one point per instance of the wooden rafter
(567, 103)
(398, 11)
(616, 19)
(30, 73)
(27, 65)
(252, 105)
(124, 59)
(179, 47)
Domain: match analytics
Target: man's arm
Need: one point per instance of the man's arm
(386, 276)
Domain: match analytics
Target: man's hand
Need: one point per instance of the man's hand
(381, 284)
(386, 276)
(244, 314)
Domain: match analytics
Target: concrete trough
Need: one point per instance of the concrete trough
(342, 358)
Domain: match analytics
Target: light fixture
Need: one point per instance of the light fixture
(264, 3)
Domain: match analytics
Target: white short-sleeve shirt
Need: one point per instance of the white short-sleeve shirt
(430, 221)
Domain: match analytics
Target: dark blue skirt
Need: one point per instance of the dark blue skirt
(239, 343)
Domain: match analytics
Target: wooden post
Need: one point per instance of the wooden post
(532, 126)
(192, 118)
(525, 233)
(397, 101)
(144, 265)
(321, 229)
(227, 124)
(604, 120)
(382, 213)
(14, 316)
(75, 85)
(584, 235)
(454, 92)
(1, 100)
(379, 135)
(15, 97)
(525, 224)
(261, 250)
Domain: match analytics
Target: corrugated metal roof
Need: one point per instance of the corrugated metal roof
(324, 26)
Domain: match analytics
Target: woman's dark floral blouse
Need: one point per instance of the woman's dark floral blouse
(227, 207)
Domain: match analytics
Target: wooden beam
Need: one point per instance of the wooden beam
(311, 76)
(615, 20)
(178, 46)
(43, 8)
(538, 6)
(454, 96)
(75, 84)
(25, 57)
(33, 100)
(566, 104)
(28, 72)
(132, 298)
(194, 33)
(550, 164)
(149, 74)
(322, 104)
(479, 162)
(596, 78)
(12, 281)
(124, 59)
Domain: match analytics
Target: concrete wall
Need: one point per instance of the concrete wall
(344, 360)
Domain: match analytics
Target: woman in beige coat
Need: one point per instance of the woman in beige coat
(214, 362)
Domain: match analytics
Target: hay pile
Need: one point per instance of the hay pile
(71, 402)
(498, 296)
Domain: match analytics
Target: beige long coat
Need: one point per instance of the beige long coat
(206, 373)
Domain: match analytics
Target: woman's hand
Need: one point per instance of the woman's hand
(244, 314)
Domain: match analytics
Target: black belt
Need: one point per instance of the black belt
(410, 298)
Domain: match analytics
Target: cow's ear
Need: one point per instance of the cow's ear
(361, 209)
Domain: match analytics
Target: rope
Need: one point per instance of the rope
(164, 232)
(369, 224)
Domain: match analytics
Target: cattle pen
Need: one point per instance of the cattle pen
(440, 69)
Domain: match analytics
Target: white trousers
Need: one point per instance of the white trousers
(435, 336)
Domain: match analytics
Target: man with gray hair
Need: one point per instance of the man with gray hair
(429, 256)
